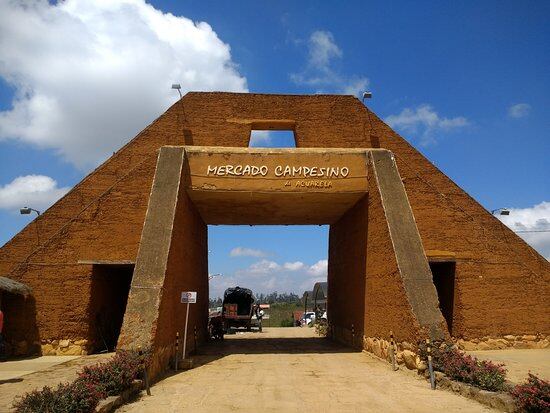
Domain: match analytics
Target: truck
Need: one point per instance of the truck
(238, 306)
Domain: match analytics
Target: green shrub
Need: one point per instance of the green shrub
(465, 368)
(287, 323)
(76, 397)
(532, 396)
(93, 384)
(116, 375)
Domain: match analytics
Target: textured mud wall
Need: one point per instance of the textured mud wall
(172, 258)
(109, 229)
(399, 294)
(346, 274)
(187, 271)
(102, 217)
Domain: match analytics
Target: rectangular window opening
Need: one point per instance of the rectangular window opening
(272, 139)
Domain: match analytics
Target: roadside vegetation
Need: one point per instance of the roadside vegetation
(532, 397)
(93, 384)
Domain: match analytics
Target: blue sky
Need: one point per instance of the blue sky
(466, 83)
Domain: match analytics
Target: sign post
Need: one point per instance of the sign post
(187, 297)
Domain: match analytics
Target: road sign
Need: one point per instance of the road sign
(189, 297)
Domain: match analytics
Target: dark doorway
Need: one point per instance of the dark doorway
(444, 280)
(110, 287)
(20, 331)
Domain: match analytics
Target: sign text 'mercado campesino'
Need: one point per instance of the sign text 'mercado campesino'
(282, 171)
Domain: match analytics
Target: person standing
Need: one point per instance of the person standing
(259, 316)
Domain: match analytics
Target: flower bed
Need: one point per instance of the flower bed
(93, 384)
(532, 396)
(465, 368)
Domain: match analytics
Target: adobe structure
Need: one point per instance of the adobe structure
(409, 251)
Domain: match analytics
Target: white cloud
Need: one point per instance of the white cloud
(519, 110)
(535, 218)
(356, 86)
(319, 268)
(267, 276)
(323, 48)
(247, 252)
(88, 75)
(293, 266)
(319, 71)
(261, 268)
(425, 122)
(35, 191)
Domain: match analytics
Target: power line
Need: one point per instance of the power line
(534, 230)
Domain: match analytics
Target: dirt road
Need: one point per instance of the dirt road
(291, 370)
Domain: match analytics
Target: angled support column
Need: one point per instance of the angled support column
(172, 257)
(399, 294)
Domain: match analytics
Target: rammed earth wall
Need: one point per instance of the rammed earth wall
(501, 284)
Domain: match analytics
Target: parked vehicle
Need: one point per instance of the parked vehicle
(307, 318)
(237, 308)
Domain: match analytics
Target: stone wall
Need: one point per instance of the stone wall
(524, 341)
(65, 347)
(407, 353)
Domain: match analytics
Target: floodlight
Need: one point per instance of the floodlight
(177, 86)
(27, 211)
(501, 211)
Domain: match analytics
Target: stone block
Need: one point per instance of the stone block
(409, 358)
(466, 345)
(48, 350)
(484, 346)
(529, 338)
(64, 343)
(421, 366)
(496, 344)
(72, 350)
(543, 343)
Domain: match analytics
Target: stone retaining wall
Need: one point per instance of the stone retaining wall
(65, 347)
(501, 343)
(406, 353)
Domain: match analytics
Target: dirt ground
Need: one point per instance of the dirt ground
(292, 370)
(519, 362)
(39, 372)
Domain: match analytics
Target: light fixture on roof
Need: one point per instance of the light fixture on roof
(177, 86)
(500, 211)
(367, 95)
(27, 211)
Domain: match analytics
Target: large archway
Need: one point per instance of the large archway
(379, 278)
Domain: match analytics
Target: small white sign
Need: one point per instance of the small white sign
(189, 297)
